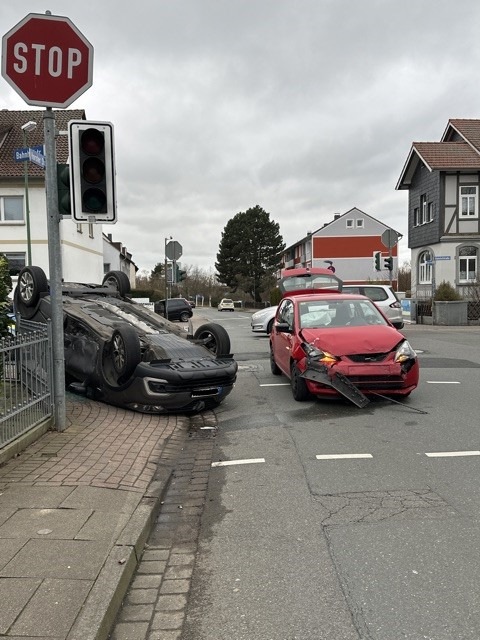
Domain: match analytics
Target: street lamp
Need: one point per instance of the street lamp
(26, 128)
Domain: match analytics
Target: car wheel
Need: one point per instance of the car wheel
(270, 326)
(215, 338)
(299, 386)
(121, 355)
(32, 282)
(184, 316)
(118, 281)
(273, 365)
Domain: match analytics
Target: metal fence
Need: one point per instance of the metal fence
(25, 380)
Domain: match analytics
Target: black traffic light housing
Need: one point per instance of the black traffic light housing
(377, 257)
(181, 275)
(388, 263)
(63, 190)
(92, 172)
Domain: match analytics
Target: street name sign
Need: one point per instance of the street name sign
(47, 60)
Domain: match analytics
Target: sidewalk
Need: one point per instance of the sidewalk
(75, 511)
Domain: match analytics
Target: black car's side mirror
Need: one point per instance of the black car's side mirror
(283, 327)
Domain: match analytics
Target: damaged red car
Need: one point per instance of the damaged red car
(331, 344)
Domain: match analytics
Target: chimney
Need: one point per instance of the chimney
(336, 216)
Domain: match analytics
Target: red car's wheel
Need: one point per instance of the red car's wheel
(299, 386)
(273, 365)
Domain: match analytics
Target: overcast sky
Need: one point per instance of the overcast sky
(304, 107)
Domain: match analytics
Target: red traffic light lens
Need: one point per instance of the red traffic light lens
(93, 170)
(92, 142)
(94, 200)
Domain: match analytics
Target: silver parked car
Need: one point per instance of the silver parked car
(262, 321)
(383, 296)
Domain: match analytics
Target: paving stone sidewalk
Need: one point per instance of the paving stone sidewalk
(76, 509)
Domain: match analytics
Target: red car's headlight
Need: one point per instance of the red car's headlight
(318, 354)
(405, 352)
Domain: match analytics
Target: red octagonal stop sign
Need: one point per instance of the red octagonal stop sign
(47, 60)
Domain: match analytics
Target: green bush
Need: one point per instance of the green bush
(446, 292)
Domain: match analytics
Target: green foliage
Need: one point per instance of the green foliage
(445, 292)
(157, 270)
(275, 296)
(249, 252)
(5, 288)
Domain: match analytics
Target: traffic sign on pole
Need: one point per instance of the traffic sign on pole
(173, 250)
(389, 238)
(47, 60)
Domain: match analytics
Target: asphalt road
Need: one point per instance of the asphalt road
(383, 545)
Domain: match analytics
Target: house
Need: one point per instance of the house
(23, 211)
(443, 180)
(117, 258)
(348, 245)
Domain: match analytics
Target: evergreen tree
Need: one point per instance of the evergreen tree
(249, 251)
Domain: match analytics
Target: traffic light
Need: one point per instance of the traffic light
(377, 256)
(92, 172)
(388, 263)
(63, 190)
(181, 275)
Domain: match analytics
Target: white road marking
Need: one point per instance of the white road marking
(276, 384)
(452, 454)
(228, 463)
(343, 456)
(442, 382)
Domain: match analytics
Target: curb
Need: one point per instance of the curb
(104, 601)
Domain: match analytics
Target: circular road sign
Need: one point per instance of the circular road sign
(47, 60)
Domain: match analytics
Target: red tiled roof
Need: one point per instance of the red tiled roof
(468, 129)
(448, 155)
(11, 138)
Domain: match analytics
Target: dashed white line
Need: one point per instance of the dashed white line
(343, 456)
(276, 384)
(228, 463)
(442, 382)
(452, 454)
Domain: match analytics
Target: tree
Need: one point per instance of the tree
(249, 252)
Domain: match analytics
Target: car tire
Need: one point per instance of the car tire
(273, 365)
(121, 355)
(32, 282)
(270, 326)
(299, 386)
(215, 338)
(118, 281)
(184, 316)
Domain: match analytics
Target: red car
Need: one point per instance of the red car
(333, 344)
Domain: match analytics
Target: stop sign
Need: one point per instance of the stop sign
(47, 60)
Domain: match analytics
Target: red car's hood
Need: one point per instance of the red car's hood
(340, 341)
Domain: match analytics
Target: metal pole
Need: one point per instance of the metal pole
(55, 266)
(27, 203)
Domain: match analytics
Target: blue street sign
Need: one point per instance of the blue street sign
(37, 157)
(22, 154)
(35, 154)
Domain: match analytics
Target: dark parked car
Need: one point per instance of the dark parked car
(177, 309)
(122, 353)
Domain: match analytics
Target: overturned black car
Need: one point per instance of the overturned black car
(120, 352)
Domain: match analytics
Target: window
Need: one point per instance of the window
(430, 212)
(467, 264)
(425, 268)
(349, 224)
(423, 210)
(359, 223)
(106, 267)
(11, 209)
(415, 217)
(468, 202)
(16, 262)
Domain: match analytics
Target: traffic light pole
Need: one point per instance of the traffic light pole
(55, 271)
